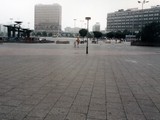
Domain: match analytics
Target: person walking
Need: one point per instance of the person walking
(78, 41)
(75, 44)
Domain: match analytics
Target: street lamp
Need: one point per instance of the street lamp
(11, 19)
(74, 29)
(28, 24)
(74, 22)
(143, 2)
(87, 18)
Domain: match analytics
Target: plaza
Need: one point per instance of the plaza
(60, 82)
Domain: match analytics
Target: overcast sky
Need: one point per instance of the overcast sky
(71, 9)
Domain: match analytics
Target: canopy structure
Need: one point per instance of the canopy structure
(16, 31)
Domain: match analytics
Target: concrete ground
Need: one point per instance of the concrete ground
(60, 82)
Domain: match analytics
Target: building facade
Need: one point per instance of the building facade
(72, 30)
(96, 27)
(3, 30)
(48, 18)
(132, 19)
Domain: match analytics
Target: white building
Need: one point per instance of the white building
(132, 19)
(72, 30)
(3, 30)
(48, 18)
(96, 27)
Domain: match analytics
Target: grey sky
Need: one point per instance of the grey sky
(71, 9)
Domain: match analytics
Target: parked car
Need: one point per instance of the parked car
(94, 41)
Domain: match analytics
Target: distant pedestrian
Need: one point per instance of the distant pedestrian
(75, 44)
(78, 41)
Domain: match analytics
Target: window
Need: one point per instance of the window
(150, 18)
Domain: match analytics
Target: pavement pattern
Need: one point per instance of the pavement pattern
(60, 82)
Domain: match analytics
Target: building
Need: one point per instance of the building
(3, 30)
(48, 18)
(96, 27)
(132, 19)
(72, 30)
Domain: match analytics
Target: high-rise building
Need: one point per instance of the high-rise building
(48, 18)
(3, 29)
(96, 27)
(72, 30)
(132, 19)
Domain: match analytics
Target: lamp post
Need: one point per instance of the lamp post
(143, 2)
(28, 24)
(11, 19)
(74, 29)
(74, 22)
(87, 18)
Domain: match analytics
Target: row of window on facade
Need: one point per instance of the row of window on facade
(133, 16)
(127, 26)
(125, 23)
(132, 21)
(133, 13)
(46, 27)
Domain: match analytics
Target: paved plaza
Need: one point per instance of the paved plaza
(60, 82)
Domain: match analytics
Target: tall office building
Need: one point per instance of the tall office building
(2, 28)
(96, 27)
(132, 19)
(48, 18)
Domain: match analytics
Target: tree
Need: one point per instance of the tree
(151, 33)
(97, 35)
(126, 32)
(39, 34)
(33, 34)
(44, 33)
(90, 35)
(1, 33)
(119, 35)
(50, 34)
(110, 35)
(138, 35)
(83, 33)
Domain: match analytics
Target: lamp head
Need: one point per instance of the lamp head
(87, 18)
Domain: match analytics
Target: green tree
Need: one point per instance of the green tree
(97, 35)
(83, 33)
(44, 33)
(33, 34)
(1, 33)
(50, 34)
(39, 34)
(90, 35)
(151, 33)
(119, 35)
(126, 32)
(110, 35)
(138, 35)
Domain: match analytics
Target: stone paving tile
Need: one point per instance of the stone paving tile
(6, 109)
(74, 116)
(16, 115)
(38, 113)
(51, 82)
(117, 106)
(135, 117)
(33, 118)
(94, 114)
(152, 116)
(116, 114)
(132, 107)
(79, 109)
(55, 117)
